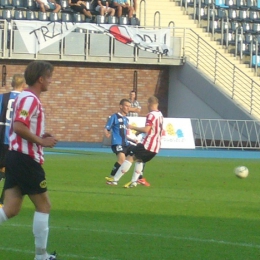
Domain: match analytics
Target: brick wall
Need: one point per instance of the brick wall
(83, 95)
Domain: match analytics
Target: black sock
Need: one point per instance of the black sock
(115, 168)
(2, 197)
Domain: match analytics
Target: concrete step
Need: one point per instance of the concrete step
(171, 11)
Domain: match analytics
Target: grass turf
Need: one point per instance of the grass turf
(194, 209)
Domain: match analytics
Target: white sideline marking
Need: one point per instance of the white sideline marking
(63, 255)
(132, 233)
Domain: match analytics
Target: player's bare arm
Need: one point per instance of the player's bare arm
(107, 133)
(23, 131)
(144, 129)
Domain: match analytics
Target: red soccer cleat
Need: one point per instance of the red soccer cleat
(143, 182)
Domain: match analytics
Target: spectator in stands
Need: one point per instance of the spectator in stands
(123, 7)
(135, 6)
(46, 5)
(104, 9)
(135, 106)
(80, 7)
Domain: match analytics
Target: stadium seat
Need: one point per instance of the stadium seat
(252, 4)
(247, 27)
(6, 4)
(19, 15)
(232, 14)
(248, 38)
(241, 4)
(230, 3)
(215, 25)
(220, 4)
(30, 15)
(188, 3)
(243, 15)
(211, 13)
(252, 48)
(43, 16)
(31, 4)
(54, 17)
(19, 4)
(7, 14)
(234, 25)
(257, 38)
(244, 47)
(256, 28)
(200, 13)
(66, 17)
(255, 60)
(253, 15)
(208, 2)
(77, 18)
(221, 13)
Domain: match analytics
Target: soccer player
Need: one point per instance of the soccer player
(24, 172)
(6, 113)
(145, 151)
(133, 112)
(117, 126)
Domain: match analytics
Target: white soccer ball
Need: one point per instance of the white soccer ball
(241, 172)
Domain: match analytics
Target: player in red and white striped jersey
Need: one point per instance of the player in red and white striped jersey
(152, 141)
(24, 172)
(145, 151)
(28, 110)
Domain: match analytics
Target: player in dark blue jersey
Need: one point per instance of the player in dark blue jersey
(116, 127)
(6, 113)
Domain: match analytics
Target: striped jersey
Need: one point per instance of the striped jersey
(6, 114)
(152, 141)
(117, 124)
(29, 111)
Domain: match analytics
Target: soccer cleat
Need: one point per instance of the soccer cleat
(52, 256)
(143, 181)
(130, 184)
(111, 181)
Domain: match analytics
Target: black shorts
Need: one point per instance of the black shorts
(121, 149)
(141, 153)
(3, 151)
(24, 172)
(79, 8)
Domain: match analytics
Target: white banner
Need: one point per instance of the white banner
(177, 132)
(37, 35)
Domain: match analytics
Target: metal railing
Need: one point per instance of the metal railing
(234, 83)
(109, 50)
(229, 134)
(230, 79)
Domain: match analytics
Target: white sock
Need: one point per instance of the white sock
(126, 165)
(137, 171)
(3, 216)
(41, 232)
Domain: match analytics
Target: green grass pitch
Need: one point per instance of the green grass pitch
(194, 209)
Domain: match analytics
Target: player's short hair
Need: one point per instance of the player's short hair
(123, 101)
(153, 100)
(17, 80)
(37, 69)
